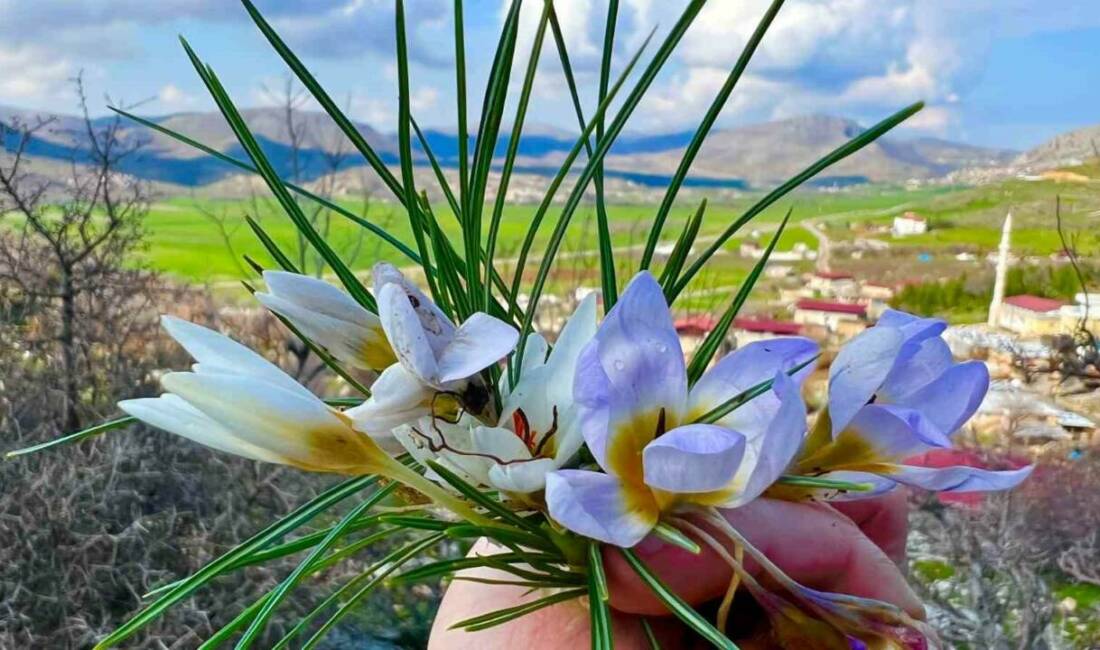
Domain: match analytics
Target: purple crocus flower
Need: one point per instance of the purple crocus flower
(639, 420)
(895, 392)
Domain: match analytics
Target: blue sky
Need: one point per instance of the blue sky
(995, 72)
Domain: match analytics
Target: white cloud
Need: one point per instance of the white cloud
(32, 79)
(173, 98)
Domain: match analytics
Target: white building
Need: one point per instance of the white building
(909, 223)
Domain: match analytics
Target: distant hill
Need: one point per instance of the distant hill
(1066, 149)
(752, 155)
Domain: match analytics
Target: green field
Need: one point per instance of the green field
(183, 241)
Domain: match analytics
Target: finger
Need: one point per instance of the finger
(884, 520)
(565, 625)
(821, 549)
(812, 544)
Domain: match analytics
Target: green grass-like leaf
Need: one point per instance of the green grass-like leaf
(500, 616)
(709, 347)
(602, 147)
(830, 159)
(682, 248)
(495, 508)
(598, 597)
(71, 438)
(723, 409)
(675, 604)
(283, 590)
(185, 588)
(703, 130)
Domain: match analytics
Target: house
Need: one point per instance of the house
(909, 223)
(1030, 315)
(834, 316)
(1085, 309)
(833, 284)
(755, 328)
(877, 297)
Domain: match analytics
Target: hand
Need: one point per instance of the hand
(854, 548)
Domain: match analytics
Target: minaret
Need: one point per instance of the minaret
(1002, 271)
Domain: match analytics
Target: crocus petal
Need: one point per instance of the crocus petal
(959, 478)
(577, 332)
(523, 477)
(478, 343)
(859, 370)
(693, 458)
(174, 415)
(599, 506)
(397, 397)
(879, 485)
(328, 317)
(744, 368)
(406, 335)
(950, 400)
(770, 454)
(750, 365)
(500, 443)
(438, 329)
(930, 361)
(631, 371)
(316, 295)
(878, 435)
(302, 431)
(217, 353)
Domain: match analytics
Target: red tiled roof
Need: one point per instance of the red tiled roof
(767, 325)
(913, 216)
(697, 324)
(833, 275)
(835, 307)
(1034, 303)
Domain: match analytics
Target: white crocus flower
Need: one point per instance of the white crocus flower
(238, 402)
(536, 433)
(330, 318)
(437, 363)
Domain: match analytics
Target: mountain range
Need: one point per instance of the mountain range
(746, 156)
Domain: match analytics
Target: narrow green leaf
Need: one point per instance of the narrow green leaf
(272, 248)
(475, 495)
(563, 171)
(283, 590)
(703, 130)
(595, 568)
(602, 147)
(607, 264)
(501, 616)
(326, 102)
(824, 483)
(448, 567)
(513, 149)
(460, 100)
(671, 535)
(404, 147)
(259, 159)
(833, 157)
(723, 409)
(675, 604)
(683, 247)
(709, 347)
(297, 189)
(654, 644)
(440, 177)
(378, 572)
(295, 519)
(71, 438)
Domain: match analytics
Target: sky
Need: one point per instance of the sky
(1006, 73)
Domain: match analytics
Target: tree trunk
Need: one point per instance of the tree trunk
(68, 350)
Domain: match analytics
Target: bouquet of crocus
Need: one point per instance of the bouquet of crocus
(556, 451)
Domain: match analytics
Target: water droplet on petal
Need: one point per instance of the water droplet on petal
(619, 364)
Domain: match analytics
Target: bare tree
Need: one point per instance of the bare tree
(80, 230)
